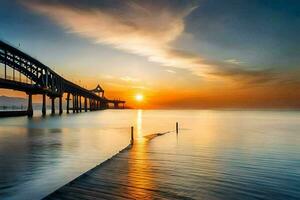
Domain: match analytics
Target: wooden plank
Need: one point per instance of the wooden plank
(135, 173)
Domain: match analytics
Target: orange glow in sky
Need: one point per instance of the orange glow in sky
(139, 97)
(168, 60)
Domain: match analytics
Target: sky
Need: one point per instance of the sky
(176, 53)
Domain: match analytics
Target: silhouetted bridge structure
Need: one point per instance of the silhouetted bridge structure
(40, 79)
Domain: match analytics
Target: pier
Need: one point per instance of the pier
(140, 171)
(24, 73)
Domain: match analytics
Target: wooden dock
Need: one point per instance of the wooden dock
(137, 172)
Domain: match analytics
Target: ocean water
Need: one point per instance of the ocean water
(228, 154)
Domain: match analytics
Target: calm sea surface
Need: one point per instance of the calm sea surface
(236, 154)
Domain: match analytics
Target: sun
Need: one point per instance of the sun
(139, 97)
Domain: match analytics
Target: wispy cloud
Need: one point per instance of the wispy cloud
(170, 71)
(139, 27)
(233, 61)
(254, 77)
(129, 79)
(145, 28)
(107, 76)
(139, 87)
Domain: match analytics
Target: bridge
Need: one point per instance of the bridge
(24, 73)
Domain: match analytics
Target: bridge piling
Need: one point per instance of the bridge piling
(5, 70)
(68, 103)
(52, 105)
(116, 106)
(60, 105)
(73, 103)
(85, 104)
(77, 104)
(90, 105)
(44, 105)
(29, 108)
(80, 107)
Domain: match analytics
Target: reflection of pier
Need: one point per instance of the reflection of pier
(40, 79)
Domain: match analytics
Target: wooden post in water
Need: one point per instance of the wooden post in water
(177, 127)
(132, 138)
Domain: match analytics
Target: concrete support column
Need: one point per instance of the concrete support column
(52, 105)
(85, 104)
(29, 108)
(68, 103)
(60, 105)
(5, 60)
(77, 104)
(116, 106)
(80, 107)
(90, 101)
(44, 105)
(74, 103)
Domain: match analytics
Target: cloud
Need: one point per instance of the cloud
(253, 77)
(139, 87)
(234, 61)
(140, 27)
(170, 71)
(107, 76)
(146, 28)
(129, 79)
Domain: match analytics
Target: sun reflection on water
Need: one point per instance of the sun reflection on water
(139, 124)
(140, 176)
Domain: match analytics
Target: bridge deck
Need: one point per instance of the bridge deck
(142, 172)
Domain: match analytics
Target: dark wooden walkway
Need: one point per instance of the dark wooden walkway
(134, 173)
